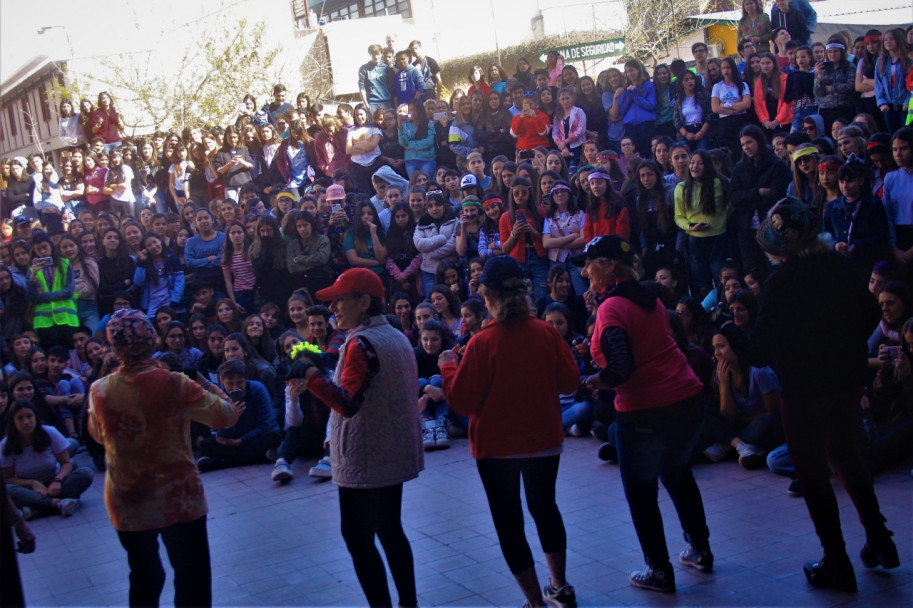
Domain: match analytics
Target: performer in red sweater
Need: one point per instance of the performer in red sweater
(658, 401)
(508, 384)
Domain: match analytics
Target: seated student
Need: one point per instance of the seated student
(37, 470)
(856, 220)
(434, 339)
(576, 410)
(252, 435)
(306, 417)
(323, 335)
(176, 343)
(747, 415)
(66, 383)
(204, 302)
(559, 282)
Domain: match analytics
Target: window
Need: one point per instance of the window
(11, 116)
(26, 115)
(44, 93)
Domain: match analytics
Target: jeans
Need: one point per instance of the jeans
(821, 430)
(765, 431)
(77, 482)
(706, 255)
(428, 281)
(187, 544)
(501, 479)
(779, 461)
(364, 514)
(640, 133)
(249, 452)
(428, 166)
(579, 284)
(658, 444)
(800, 115)
(300, 441)
(575, 412)
(87, 311)
(537, 267)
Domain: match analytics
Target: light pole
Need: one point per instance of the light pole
(41, 30)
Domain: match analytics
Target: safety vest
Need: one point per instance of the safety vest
(58, 312)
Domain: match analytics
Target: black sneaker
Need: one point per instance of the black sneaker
(654, 579)
(698, 560)
(206, 464)
(607, 452)
(831, 573)
(794, 488)
(565, 596)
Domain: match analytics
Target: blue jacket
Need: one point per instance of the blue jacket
(896, 96)
(173, 273)
(638, 106)
(804, 7)
(869, 233)
(256, 419)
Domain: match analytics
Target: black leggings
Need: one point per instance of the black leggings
(377, 512)
(501, 478)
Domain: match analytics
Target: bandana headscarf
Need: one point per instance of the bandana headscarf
(130, 332)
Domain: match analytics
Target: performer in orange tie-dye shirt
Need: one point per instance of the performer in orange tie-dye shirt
(142, 414)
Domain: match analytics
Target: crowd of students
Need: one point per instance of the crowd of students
(223, 236)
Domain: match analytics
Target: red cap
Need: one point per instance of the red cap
(353, 280)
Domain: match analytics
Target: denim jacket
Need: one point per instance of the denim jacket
(896, 96)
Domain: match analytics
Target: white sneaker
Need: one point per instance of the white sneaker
(281, 472)
(322, 470)
(441, 438)
(750, 456)
(428, 442)
(68, 506)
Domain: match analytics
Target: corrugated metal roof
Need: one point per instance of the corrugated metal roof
(870, 12)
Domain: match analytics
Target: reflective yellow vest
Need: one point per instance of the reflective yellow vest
(58, 312)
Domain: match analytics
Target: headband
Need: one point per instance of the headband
(804, 152)
(492, 201)
(873, 38)
(835, 45)
(607, 154)
(872, 145)
(828, 166)
(559, 187)
(287, 195)
(470, 202)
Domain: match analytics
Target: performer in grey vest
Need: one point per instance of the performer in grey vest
(375, 436)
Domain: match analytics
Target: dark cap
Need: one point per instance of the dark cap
(21, 220)
(789, 225)
(610, 246)
(499, 270)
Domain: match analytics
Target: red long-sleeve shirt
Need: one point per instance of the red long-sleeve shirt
(508, 384)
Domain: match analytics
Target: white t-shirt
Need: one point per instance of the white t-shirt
(691, 112)
(127, 195)
(729, 94)
(360, 135)
(30, 464)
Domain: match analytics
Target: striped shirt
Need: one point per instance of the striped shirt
(242, 272)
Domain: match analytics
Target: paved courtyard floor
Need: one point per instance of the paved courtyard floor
(280, 545)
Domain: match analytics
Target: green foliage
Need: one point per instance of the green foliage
(205, 86)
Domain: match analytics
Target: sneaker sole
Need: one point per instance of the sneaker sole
(282, 477)
(651, 588)
(694, 565)
(72, 508)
